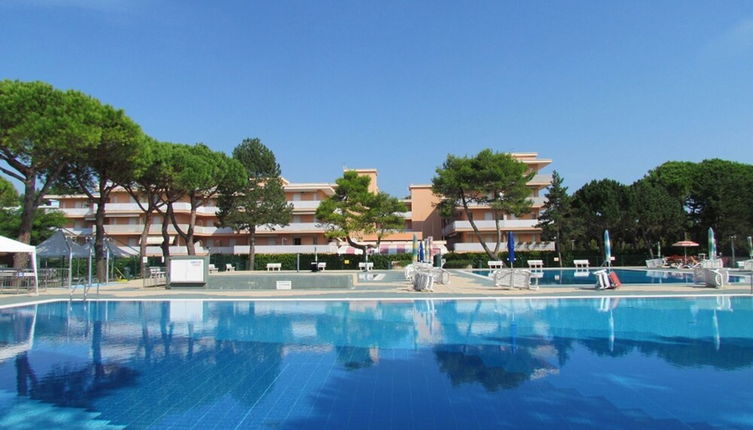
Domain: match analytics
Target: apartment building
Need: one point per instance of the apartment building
(125, 221)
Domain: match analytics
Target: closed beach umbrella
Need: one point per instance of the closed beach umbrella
(712, 244)
(750, 247)
(414, 251)
(510, 248)
(421, 251)
(607, 248)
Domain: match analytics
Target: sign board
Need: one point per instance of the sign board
(284, 285)
(190, 270)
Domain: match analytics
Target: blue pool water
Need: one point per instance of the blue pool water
(508, 363)
(627, 276)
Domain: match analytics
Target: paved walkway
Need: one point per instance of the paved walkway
(462, 285)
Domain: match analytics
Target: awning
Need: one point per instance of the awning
(345, 249)
(396, 248)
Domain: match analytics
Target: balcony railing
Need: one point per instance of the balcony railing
(286, 249)
(305, 204)
(541, 179)
(535, 202)
(486, 225)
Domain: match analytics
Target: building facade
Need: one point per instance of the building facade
(124, 221)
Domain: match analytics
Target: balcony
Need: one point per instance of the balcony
(541, 179)
(156, 229)
(76, 212)
(486, 225)
(285, 249)
(305, 204)
(535, 202)
(295, 227)
(521, 246)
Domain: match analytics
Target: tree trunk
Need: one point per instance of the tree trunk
(187, 236)
(468, 213)
(143, 242)
(99, 236)
(252, 248)
(99, 240)
(190, 246)
(165, 235)
(21, 259)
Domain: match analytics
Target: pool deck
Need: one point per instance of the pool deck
(462, 286)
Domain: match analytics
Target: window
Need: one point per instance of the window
(296, 241)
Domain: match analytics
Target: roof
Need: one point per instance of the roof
(10, 245)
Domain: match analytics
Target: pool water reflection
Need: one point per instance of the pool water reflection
(525, 363)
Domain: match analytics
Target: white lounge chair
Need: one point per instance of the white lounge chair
(716, 278)
(321, 266)
(536, 265)
(581, 264)
(229, 267)
(517, 278)
(366, 266)
(497, 264)
(212, 268)
(274, 266)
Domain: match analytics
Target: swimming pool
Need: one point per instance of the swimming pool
(552, 277)
(515, 363)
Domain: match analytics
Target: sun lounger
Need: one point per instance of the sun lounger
(606, 280)
(212, 268)
(321, 266)
(536, 265)
(748, 265)
(366, 266)
(581, 264)
(498, 264)
(712, 264)
(229, 267)
(518, 278)
(716, 278)
(655, 263)
(423, 281)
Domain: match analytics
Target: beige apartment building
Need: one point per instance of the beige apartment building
(125, 221)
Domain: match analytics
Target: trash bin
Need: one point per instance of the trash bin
(438, 260)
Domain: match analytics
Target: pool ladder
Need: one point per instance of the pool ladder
(86, 287)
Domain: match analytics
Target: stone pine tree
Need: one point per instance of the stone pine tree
(115, 160)
(259, 200)
(148, 187)
(598, 206)
(8, 194)
(492, 179)
(41, 129)
(198, 176)
(556, 219)
(353, 211)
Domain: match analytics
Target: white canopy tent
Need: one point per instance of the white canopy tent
(13, 246)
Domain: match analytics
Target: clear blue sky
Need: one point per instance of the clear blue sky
(604, 88)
